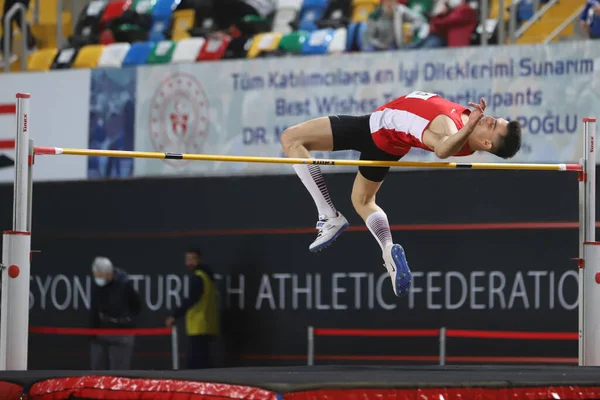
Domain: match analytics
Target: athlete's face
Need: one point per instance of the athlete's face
(490, 131)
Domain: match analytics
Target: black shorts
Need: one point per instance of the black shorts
(354, 133)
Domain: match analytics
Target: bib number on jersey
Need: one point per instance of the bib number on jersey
(420, 95)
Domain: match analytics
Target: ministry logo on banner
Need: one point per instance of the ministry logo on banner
(179, 116)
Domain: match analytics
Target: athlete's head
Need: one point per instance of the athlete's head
(499, 136)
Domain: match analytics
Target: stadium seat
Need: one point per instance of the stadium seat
(162, 52)
(187, 50)
(338, 42)
(45, 30)
(238, 47)
(293, 42)
(113, 10)
(88, 56)
(264, 42)
(318, 42)
(311, 11)
(107, 37)
(361, 9)
(64, 59)
(138, 53)
(113, 55)
(143, 6)
(182, 22)
(204, 18)
(214, 49)
(41, 60)
(87, 30)
(161, 17)
(287, 11)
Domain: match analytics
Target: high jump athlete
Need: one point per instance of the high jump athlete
(419, 119)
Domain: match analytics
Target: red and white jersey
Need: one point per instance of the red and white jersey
(398, 126)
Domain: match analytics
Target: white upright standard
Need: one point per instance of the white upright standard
(16, 245)
(589, 250)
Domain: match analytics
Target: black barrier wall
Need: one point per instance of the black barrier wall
(255, 231)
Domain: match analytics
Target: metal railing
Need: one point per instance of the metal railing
(562, 26)
(17, 7)
(441, 334)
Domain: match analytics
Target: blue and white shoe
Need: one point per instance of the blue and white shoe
(329, 230)
(397, 266)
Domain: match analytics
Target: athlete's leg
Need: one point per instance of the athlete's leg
(297, 142)
(367, 183)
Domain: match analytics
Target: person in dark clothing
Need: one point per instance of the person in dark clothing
(200, 311)
(8, 4)
(115, 303)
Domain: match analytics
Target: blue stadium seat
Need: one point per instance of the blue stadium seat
(311, 11)
(138, 53)
(161, 15)
(318, 41)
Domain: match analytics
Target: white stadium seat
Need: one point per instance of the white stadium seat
(113, 55)
(187, 50)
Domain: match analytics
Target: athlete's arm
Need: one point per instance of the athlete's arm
(452, 140)
(447, 146)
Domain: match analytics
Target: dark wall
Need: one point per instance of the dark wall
(256, 231)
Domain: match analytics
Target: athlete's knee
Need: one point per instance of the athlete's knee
(361, 199)
(291, 137)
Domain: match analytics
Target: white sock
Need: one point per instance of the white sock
(380, 228)
(313, 180)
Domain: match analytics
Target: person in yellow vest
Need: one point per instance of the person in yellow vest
(200, 309)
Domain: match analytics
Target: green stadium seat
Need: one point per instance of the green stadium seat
(162, 52)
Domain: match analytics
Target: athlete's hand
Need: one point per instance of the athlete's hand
(481, 106)
(474, 118)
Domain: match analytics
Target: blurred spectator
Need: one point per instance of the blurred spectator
(589, 19)
(380, 32)
(115, 304)
(8, 4)
(200, 309)
(452, 27)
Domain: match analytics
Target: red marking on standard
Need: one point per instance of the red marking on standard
(16, 233)
(592, 243)
(13, 271)
(23, 95)
(44, 150)
(7, 144)
(589, 120)
(597, 277)
(8, 109)
(574, 167)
